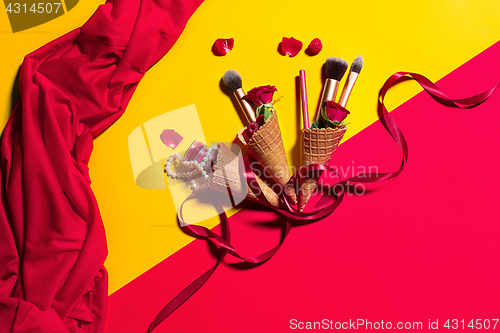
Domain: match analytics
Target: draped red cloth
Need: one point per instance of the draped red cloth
(52, 240)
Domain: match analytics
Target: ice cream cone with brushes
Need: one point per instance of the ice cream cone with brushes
(263, 140)
(267, 146)
(319, 142)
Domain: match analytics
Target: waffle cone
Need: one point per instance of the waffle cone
(227, 177)
(266, 146)
(317, 147)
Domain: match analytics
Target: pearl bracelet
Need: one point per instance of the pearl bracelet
(195, 167)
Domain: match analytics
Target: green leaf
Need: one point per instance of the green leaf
(264, 109)
(318, 124)
(259, 111)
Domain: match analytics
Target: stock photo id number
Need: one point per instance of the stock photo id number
(28, 14)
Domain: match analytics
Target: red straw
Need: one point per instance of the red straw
(303, 97)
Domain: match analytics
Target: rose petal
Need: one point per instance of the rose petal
(171, 138)
(222, 46)
(246, 135)
(260, 120)
(267, 93)
(290, 46)
(253, 99)
(336, 112)
(260, 95)
(253, 127)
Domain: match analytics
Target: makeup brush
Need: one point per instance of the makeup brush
(356, 66)
(335, 70)
(232, 79)
(303, 97)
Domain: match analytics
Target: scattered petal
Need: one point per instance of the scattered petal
(222, 46)
(171, 138)
(314, 47)
(290, 46)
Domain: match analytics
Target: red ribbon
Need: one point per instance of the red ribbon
(326, 205)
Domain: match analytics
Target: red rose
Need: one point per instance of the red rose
(336, 112)
(260, 95)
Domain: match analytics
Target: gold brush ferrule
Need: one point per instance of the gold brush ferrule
(245, 106)
(348, 86)
(329, 93)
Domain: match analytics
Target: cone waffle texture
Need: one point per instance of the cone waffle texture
(227, 176)
(266, 146)
(317, 147)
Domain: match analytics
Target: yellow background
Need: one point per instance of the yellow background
(431, 37)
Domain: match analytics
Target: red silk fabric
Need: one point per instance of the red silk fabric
(52, 240)
(326, 205)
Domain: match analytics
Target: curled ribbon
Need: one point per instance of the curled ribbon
(326, 205)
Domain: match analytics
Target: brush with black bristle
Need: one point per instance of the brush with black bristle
(335, 70)
(232, 79)
(356, 66)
